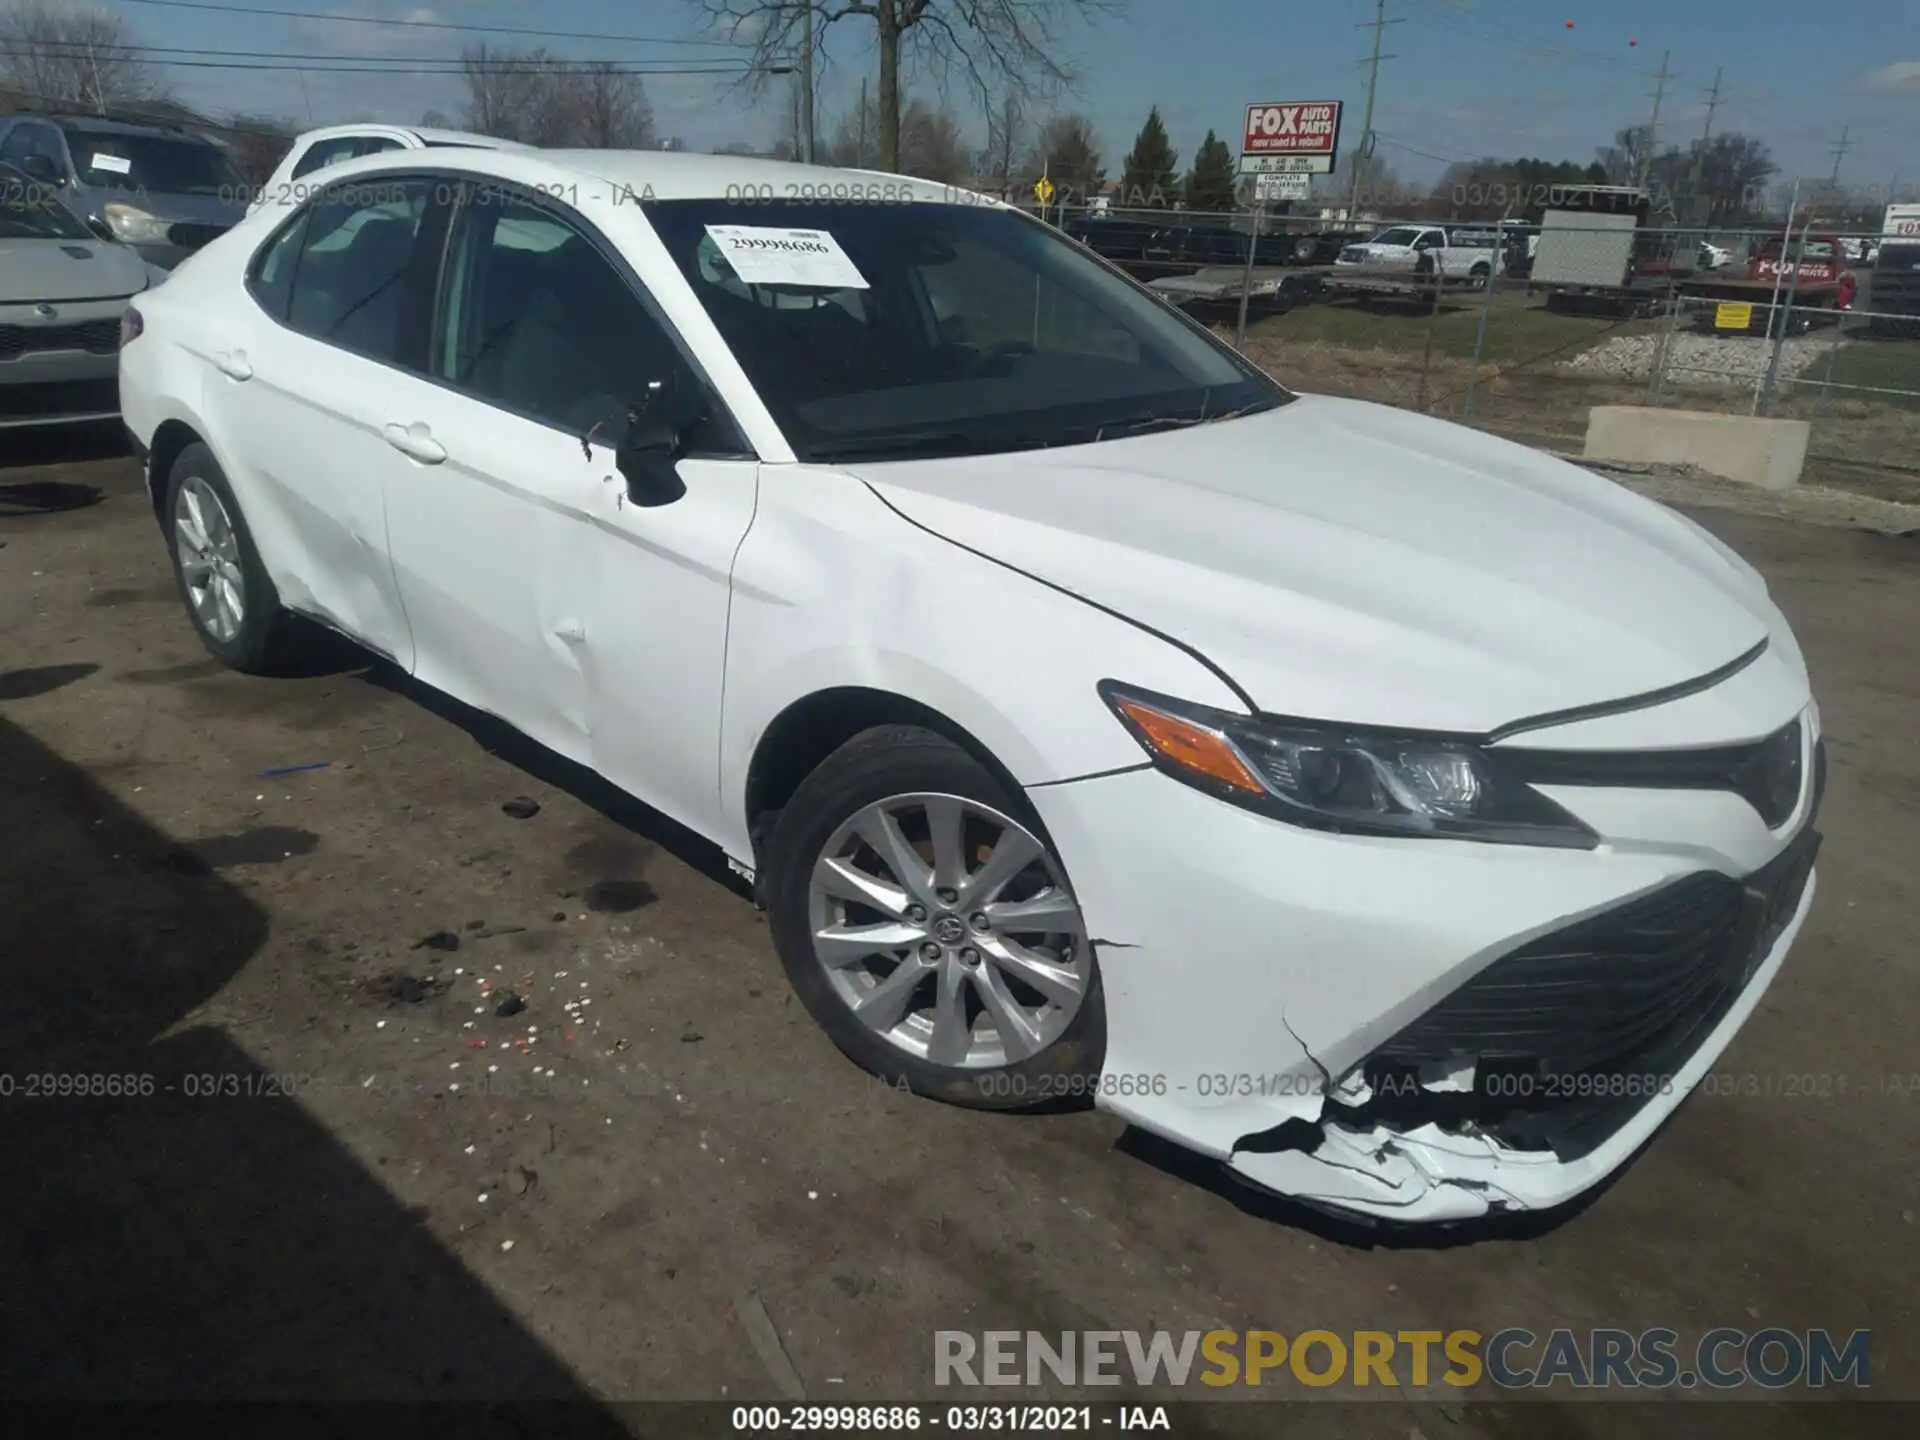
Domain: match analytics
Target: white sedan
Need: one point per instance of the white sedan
(1401, 816)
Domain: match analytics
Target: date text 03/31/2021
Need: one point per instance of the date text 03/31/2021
(952, 1419)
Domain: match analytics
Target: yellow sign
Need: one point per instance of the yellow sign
(1043, 190)
(1732, 315)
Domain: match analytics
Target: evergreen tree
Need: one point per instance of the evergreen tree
(1149, 179)
(1211, 185)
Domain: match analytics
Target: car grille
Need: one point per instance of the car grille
(192, 237)
(1574, 1032)
(96, 337)
(1353, 252)
(1766, 773)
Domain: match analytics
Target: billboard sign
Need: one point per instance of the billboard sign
(1294, 130)
(1269, 186)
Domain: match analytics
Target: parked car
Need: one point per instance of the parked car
(316, 150)
(1402, 817)
(1446, 252)
(63, 292)
(162, 190)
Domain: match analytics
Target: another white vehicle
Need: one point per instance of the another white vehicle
(317, 150)
(1401, 816)
(1452, 252)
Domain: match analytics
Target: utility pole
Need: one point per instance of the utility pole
(1839, 148)
(1706, 134)
(806, 87)
(865, 163)
(1653, 125)
(1364, 150)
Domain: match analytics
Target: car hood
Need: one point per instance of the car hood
(176, 209)
(1353, 562)
(50, 271)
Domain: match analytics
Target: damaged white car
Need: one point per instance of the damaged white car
(1399, 815)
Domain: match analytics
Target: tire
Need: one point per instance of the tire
(896, 766)
(264, 640)
(1478, 276)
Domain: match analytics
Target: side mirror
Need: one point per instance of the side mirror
(650, 446)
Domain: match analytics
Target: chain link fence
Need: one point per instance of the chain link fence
(1522, 329)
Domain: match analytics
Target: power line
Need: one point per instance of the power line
(206, 59)
(429, 24)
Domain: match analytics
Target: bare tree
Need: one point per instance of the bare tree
(71, 56)
(1006, 142)
(991, 43)
(538, 99)
(855, 141)
(1068, 155)
(612, 109)
(931, 145)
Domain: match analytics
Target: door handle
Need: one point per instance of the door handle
(233, 363)
(416, 441)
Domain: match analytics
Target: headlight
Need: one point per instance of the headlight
(136, 226)
(1344, 778)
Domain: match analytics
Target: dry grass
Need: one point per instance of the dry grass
(1862, 446)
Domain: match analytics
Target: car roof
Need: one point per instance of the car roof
(685, 175)
(426, 134)
(122, 127)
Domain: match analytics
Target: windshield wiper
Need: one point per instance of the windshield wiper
(1147, 424)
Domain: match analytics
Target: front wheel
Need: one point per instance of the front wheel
(930, 929)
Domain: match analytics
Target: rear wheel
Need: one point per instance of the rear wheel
(230, 598)
(929, 927)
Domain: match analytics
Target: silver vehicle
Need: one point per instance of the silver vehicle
(164, 191)
(63, 293)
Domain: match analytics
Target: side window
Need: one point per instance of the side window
(537, 321)
(983, 299)
(345, 147)
(270, 277)
(362, 282)
(18, 144)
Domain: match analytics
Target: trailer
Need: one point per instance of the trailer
(1598, 252)
(1214, 290)
(1793, 283)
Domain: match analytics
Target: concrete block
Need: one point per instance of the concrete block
(1769, 454)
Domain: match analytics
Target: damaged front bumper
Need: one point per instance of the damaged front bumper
(1424, 1031)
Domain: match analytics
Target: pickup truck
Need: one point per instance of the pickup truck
(1458, 253)
(1810, 273)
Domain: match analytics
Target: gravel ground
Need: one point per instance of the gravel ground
(1701, 359)
(353, 1177)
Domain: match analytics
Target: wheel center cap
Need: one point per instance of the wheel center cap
(949, 930)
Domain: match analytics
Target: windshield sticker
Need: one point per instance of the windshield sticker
(765, 255)
(113, 164)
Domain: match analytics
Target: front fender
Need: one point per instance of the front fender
(833, 589)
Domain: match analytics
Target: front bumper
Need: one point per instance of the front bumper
(61, 370)
(1398, 1028)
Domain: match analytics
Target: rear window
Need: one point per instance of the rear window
(1400, 235)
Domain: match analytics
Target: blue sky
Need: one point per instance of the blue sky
(1469, 77)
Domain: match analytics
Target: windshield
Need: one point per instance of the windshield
(888, 330)
(28, 211)
(1399, 235)
(1800, 250)
(161, 164)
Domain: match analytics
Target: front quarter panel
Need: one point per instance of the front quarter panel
(833, 589)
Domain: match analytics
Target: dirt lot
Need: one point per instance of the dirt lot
(444, 1202)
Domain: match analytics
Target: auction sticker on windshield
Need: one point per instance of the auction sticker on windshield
(765, 255)
(116, 164)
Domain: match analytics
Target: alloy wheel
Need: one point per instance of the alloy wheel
(945, 927)
(210, 564)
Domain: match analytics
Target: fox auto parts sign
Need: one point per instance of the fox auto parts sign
(1301, 135)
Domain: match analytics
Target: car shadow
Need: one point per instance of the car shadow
(497, 737)
(32, 445)
(1351, 1232)
(160, 1244)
